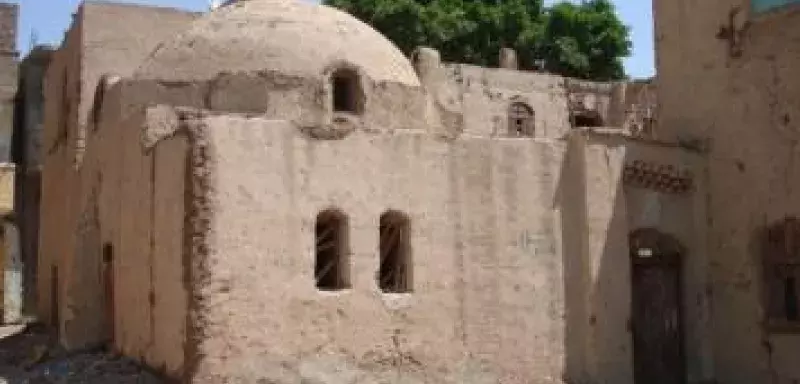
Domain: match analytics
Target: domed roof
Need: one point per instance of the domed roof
(287, 36)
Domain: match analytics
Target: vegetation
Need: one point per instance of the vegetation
(584, 40)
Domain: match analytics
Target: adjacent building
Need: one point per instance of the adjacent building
(726, 83)
(26, 154)
(12, 276)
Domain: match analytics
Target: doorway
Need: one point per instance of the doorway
(657, 319)
(55, 319)
(108, 292)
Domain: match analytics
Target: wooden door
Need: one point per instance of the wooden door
(656, 313)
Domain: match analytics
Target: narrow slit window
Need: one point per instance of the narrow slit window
(347, 94)
(790, 299)
(65, 107)
(97, 105)
(331, 267)
(395, 272)
(520, 120)
(108, 253)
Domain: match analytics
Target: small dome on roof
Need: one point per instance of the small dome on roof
(287, 36)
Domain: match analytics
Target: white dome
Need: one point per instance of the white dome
(290, 37)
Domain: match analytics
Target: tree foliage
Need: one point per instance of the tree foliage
(585, 40)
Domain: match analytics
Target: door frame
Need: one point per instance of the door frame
(666, 252)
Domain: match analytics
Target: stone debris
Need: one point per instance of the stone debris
(29, 355)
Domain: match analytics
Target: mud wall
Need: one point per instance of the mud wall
(727, 83)
(99, 42)
(487, 298)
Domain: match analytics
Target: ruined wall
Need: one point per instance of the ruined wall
(27, 155)
(727, 83)
(117, 38)
(128, 280)
(639, 114)
(100, 41)
(483, 95)
(8, 75)
(479, 99)
(59, 186)
(487, 301)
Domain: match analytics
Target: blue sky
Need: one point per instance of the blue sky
(45, 21)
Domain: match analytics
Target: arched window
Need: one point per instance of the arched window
(395, 271)
(331, 266)
(520, 120)
(347, 95)
(781, 267)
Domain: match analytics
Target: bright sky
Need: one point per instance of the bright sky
(44, 22)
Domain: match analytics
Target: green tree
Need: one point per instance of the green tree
(586, 40)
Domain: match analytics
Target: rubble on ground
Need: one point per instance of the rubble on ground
(29, 355)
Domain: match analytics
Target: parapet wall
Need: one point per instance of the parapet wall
(8, 28)
(478, 99)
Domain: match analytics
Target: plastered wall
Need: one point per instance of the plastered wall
(488, 299)
(599, 211)
(726, 82)
(520, 257)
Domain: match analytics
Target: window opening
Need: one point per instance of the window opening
(587, 120)
(331, 264)
(55, 319)
(781, 260)
(64, 126)
(395, 272)
(108, 294)
(790, 299)
(520, 120)
(97, 105)
(108, 253)
(347, 94)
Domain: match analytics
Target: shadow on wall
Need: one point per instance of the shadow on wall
(596, 268)
(572, 202)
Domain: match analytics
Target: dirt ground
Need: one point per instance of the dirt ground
(28, 355)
